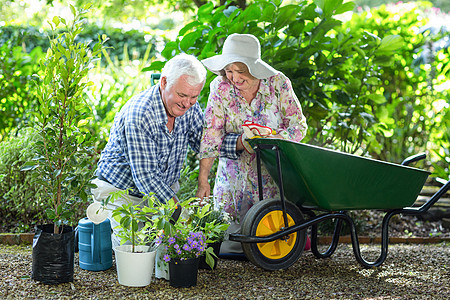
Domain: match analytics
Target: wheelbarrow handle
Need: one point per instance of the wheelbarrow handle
(414, 158)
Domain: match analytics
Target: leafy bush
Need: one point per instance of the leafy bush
(21, 194)
(125, 42)
(17, 89)
(412, 116)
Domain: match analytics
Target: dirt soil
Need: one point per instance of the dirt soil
(409, 272)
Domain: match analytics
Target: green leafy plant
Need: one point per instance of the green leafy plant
(412, 117)
(21, 195)
(17, 89)
(149, 213)
(210, 217)
(63, 154)
(186, 238)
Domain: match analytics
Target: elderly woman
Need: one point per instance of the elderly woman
(246, 90)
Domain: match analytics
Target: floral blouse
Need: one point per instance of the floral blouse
(276, 106)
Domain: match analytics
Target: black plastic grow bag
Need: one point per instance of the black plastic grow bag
(53, 255)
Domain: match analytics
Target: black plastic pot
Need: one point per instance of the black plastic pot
(183, 273)
(53, 255)
(202, 263)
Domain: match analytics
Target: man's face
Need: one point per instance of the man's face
(180, 97)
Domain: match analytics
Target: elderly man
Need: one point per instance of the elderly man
(150, 136)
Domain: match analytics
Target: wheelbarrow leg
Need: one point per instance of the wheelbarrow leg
(384, 241)
(344, 217)
(334, 241)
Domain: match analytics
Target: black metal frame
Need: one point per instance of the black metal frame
(340, 217)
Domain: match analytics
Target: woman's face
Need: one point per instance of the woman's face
(241, 78)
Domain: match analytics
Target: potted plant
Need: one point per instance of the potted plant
(166, 225)
(63, 153)
(183, 247)
(138, 226)
(184, 242)
(210, 217)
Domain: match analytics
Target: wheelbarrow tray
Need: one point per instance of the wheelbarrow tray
(319, 178)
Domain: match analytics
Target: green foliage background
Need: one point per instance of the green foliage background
(356, 80)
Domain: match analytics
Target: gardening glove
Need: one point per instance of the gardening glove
(176, 215)
(254, 130)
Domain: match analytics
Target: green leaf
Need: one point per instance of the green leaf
(84, 122)
(328, 6)
(204, 11)
(154, 66)
(342, 97)
(125, 222)
(390, 43)
(56, 21)
(209, 253)
(286, 15)
(29, 165)
(56, 173)
(188, 27)
(347, 6)
(189, 39)
(252, 12)
(170, 50)
(50, 213)
(134, 225)
(353, 85)
(377, 98)
(268, 12)
(72, 9)
(373, 81)
(384, 60)
(59, 209)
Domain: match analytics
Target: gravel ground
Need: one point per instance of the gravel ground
(409, 272)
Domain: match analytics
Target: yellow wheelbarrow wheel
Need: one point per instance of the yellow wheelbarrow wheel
(272, 223)
(266, 218)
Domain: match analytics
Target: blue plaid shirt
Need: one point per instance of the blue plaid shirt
(141, 153)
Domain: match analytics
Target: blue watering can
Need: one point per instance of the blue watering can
(94, 243)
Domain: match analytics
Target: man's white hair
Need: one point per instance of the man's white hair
(184, 64)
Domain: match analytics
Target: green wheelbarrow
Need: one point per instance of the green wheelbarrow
(313, 179)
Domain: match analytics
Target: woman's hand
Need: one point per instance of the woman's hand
(204, 189)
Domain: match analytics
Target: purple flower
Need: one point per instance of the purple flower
(166, 258)
(171, 240)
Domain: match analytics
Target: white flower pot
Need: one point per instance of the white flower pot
(134, 269)
(161, 267)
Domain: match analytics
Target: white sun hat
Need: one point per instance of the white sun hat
(244, 48)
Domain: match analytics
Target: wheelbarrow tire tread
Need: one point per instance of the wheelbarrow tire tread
(249, 227)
